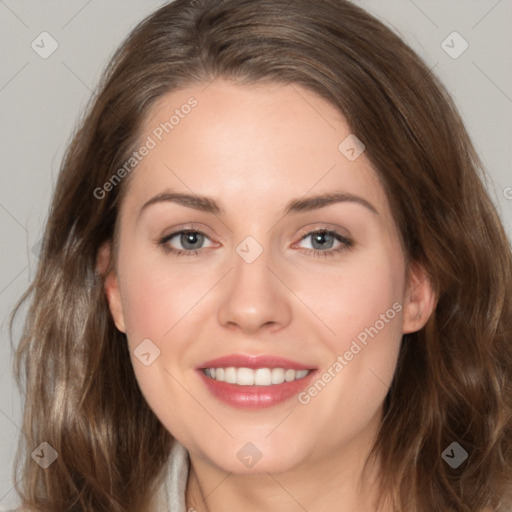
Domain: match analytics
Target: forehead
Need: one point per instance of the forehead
(253, 145)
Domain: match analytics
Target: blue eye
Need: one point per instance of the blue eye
(323, 239)
(191, 241)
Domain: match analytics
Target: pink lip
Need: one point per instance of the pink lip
(254, 397)
(254, 362)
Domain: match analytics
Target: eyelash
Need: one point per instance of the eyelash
(346, 243)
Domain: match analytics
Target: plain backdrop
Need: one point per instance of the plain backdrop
(41, 99)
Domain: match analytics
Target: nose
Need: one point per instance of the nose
(254, 297)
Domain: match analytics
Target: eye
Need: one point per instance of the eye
(190, 240)
(323, 240)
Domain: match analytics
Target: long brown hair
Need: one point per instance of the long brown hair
(453, 381)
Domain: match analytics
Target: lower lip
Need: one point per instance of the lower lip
(255, 397)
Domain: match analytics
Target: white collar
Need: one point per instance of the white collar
(172, 493)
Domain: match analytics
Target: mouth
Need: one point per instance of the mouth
(254, 381)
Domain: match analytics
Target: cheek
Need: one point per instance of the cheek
(159, 305)
(155, 299)
(353, 301)
(365, 311)
(361, 311)
(361, 316)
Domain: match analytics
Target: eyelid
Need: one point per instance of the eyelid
(186, 227)
(343, 232)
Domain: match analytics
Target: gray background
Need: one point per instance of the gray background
(40, 100)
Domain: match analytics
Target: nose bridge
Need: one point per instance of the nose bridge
(254, 297)
(251, 264)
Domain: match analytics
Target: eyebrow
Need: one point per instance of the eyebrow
(305, 204)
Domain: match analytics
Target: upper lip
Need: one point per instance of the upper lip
(254, 362)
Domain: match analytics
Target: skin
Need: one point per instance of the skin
(254, 148)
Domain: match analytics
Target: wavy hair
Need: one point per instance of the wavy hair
(453, 380)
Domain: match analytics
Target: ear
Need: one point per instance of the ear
(111, 284)
(419, 301)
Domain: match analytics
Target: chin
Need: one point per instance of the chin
(249, 459)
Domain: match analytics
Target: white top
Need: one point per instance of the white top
(171, 497)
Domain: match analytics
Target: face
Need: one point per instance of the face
(224, 255)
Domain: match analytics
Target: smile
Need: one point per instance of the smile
(254, 381)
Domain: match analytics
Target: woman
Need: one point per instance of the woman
(185, 350)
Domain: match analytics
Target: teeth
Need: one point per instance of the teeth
(259, 377)
(230, 375)
(245, 376)
(277, 375)
(289, 375)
